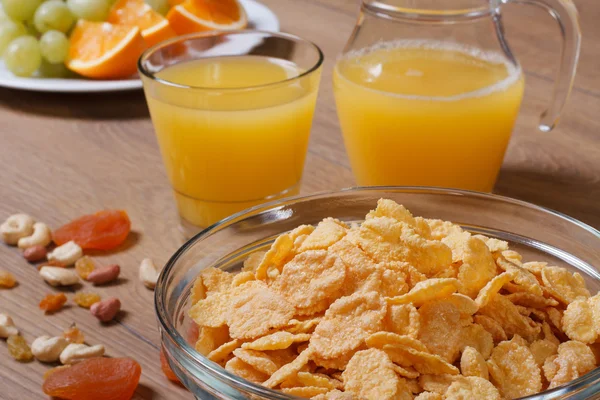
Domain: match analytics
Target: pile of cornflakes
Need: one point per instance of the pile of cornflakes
(397, 307)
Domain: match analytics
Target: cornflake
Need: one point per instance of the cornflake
(311, 281)
(403, 319)
(396, 307)
(472, 363)
(472, 387)
(573, 360)
(514, 371)
(352, 318)
(241, 369)
(564, 285)
(328, 232)
(441, 329)
(243, 320)
(276, 341)
(477, 265)
(370, 375)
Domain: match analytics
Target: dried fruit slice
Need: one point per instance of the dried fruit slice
(86, 300)
(95, 379)
(166, 368)
(19, 349)
(7, 280)
(74, 335)
(53, 302)
(84, 267)
(103, 230)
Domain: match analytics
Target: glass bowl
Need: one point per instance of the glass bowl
(537, 233)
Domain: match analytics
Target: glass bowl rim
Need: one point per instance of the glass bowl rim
(233, 380)
(200, 35)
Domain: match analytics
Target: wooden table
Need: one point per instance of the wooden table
(67, 155)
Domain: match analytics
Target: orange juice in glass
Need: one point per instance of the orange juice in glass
(427, 92)
(232, 113)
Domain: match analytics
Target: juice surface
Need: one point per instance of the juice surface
(426, 113)
(227, 148)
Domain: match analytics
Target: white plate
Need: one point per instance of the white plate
(259, 17)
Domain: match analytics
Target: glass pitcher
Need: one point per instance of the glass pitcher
(427, 91)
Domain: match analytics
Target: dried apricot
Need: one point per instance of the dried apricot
(97, 378)
(86, 300)
(7, 280)
(74, 335)
(166, 368)
(53, 302)
(19, 349)
(103, 230)
(84, 267)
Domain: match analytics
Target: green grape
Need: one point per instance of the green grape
(54, 46)
(48, 70)
(31, 29)
(8, 32)
(160, 6)
(91, 10)
(20, 10)
(22, 56)
(55, 15)
(3, 16)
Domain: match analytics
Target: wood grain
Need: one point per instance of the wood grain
(67, 155)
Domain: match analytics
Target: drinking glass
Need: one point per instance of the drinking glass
(427, 91)
(232, 113)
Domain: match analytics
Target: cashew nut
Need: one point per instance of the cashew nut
(7, 327)
(16, 227)
(74, 353)
(148, 273)
(56, 276)
(66, 254)
(48, 349)
(41, 236)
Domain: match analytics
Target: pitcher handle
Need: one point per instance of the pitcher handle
(565, 13)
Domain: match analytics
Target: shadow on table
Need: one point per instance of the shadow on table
(101, 106)
(143, 392)
(571, 193)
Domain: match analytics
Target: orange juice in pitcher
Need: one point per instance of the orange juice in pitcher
(420, 113)
(428, 91)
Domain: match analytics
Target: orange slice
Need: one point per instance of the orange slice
(173, 3)
(203, 15)
(105, 51)
(154, 27)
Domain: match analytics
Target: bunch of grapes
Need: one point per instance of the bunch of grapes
(34, 34)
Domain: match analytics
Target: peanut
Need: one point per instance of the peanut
(56, 276)
(48, 349)
(148, 273)
(35, 253)
(41, 236)
(66, 254)
(74, 353)
(107, 309)
(7, 326)
(16, 227)
(104, 275)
